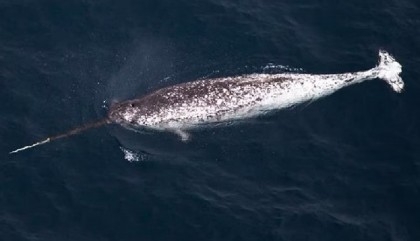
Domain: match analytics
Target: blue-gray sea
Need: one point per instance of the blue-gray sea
(345, 167)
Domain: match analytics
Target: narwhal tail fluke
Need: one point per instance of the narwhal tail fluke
(72, 132)
(389, 70)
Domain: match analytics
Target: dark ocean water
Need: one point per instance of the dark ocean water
(346, 167)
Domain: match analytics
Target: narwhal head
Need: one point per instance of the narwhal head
(130, 112)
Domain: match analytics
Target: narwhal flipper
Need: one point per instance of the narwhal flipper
(185, 136)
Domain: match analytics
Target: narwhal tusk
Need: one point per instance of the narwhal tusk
(30, 146)
(72, 132)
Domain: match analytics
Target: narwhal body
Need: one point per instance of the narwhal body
(185, 106)
(190, 105)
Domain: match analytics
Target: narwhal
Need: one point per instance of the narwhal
(182, 107)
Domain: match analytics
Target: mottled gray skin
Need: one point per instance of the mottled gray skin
(195, 103)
